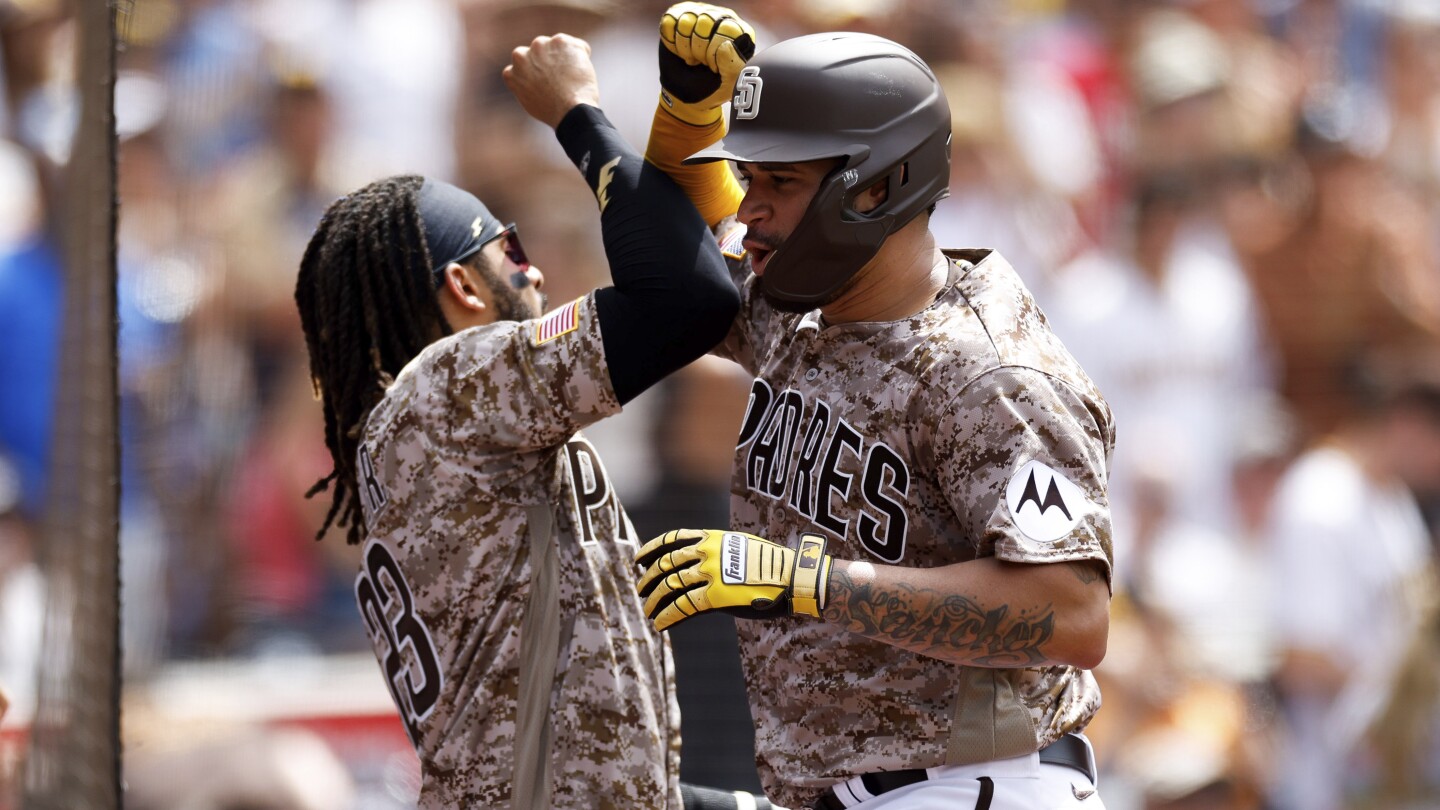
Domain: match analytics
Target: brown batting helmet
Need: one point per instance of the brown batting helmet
(854, 96)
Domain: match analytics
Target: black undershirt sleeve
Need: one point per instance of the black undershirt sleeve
(672, 298)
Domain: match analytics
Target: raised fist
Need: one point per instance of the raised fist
(702, 49)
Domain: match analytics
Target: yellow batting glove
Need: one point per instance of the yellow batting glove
(690, 571)
(702, 49)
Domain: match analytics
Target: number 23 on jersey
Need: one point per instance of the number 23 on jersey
(402, 641)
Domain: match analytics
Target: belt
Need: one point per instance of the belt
(1071, 750)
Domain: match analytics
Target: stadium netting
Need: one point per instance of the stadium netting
(74, 753)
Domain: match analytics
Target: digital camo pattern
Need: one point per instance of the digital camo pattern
(478, 428)
(899, 442)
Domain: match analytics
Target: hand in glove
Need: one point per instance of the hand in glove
(689, 571)
(702, 49)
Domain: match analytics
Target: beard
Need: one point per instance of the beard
(512, 304)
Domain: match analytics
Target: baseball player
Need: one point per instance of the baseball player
(497, 580)
(919, 521)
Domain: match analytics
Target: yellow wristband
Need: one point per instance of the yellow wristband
(812, 576)
(689, 113)
(711, 187)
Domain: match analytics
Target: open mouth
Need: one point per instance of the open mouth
(758, 257)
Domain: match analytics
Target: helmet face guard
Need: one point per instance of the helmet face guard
(853, 96)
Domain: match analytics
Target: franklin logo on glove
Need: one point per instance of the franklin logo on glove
(733, 568)
(690, 571)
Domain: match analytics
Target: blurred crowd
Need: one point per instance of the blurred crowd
(1228, 209)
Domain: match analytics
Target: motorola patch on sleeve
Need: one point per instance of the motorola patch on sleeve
(1044, 504)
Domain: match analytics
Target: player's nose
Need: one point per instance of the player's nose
(537, 278)
(751, 209)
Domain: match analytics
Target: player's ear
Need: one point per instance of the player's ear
(871, 197)
(461, 289)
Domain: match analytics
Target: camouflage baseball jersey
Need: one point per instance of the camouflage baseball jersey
(964, 431)
(498, 582)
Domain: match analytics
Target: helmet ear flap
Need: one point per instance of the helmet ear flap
(857, 96)
(828, 246)
(834, 239)
(889, 185)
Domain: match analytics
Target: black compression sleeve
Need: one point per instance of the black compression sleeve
(696, 797)
(673, 299)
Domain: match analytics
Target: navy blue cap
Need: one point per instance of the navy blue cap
(456, 223)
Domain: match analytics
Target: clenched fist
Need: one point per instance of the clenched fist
(702, 49)
(551, 75)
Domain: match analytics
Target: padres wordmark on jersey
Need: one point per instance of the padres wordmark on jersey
(913, 442)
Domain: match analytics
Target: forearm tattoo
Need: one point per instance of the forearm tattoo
(934, 623)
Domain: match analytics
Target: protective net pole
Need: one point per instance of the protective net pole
(74, 755)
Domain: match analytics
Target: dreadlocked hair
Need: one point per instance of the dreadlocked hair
(368, 305)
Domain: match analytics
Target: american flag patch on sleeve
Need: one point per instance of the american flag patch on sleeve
(730, 242)
(562, 321)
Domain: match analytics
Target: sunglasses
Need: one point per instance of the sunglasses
(514, 251)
